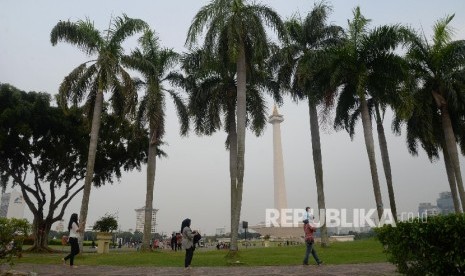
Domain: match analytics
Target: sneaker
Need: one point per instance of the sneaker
(63, 260)
(74, 266)
(320, 263)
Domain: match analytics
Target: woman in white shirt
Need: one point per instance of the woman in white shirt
(73, 227)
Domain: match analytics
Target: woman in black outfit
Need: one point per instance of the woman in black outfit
(73, 227)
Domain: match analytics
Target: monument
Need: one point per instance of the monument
(280, 197)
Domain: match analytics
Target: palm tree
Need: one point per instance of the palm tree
(439, 69)
(366, 58)
(96, 76)
(211, 84)
(304, 73)
(153, 63)
(238, 27)
(423, 127)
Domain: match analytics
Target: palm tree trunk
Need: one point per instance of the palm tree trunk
(451, 146)
(451, 178)
(241, 118)
(232, 153)
(318, 167)
(96, 118)
(386, 162)
(232, 157)
(370, 146)
(151, 168)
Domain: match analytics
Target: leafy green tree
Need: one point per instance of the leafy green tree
(438, 67)
(89, 236)
(239, 28)
(126, 236)
(102, 74)
(42, 150)
(137, 236)
(12, 233)
(360, 65)
(154, 62)
(303, 70)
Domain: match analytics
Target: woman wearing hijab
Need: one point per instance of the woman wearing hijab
(73, 227)
(188, 241)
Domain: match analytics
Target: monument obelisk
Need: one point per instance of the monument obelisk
(280, 197)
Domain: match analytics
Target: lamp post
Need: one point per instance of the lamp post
(245, 225)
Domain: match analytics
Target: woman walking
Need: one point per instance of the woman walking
(73, 227)
(188, 241)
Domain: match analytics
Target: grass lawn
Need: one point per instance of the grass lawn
(364, 251)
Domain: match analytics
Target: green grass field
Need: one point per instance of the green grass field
(364, 251)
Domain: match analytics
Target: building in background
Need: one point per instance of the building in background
(220, 231)
(428, 209)
(140, 220)
(12, 205)
(444, 205)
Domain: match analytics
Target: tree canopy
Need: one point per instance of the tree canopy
(43, 150)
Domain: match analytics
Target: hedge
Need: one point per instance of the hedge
(432, 246)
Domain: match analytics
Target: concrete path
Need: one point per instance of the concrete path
(349, 269)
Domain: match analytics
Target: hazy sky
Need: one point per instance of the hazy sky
(194, 180)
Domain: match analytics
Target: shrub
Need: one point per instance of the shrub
(107, 223)
(12, 233)
(58, 242)
(435, 246)
(54, 242)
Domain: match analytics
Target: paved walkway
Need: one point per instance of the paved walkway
(350, 269)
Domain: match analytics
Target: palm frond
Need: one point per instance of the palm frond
(182, 112)
(256, 110)
(82, 34)
(124, 27)
(203, 17)
(74, 85)
(443, 32)
(271, 19)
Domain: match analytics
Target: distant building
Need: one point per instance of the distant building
(220, 231)
(445, 203)
(140, 220)
(428, 209)
(89, 228)
(12, 205)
